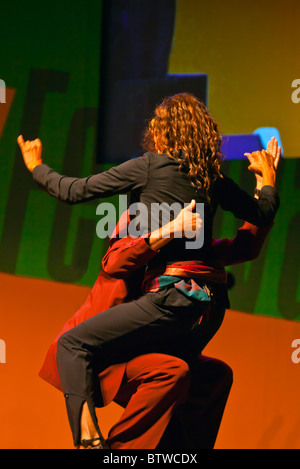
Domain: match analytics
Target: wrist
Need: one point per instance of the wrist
(159, 238)
(259, 184)
(176, 227)
(32, 165)
(268, 177)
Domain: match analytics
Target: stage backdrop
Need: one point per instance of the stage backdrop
(243, 59)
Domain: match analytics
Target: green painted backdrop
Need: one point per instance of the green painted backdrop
(52, 61)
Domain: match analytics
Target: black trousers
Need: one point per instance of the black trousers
(115, 336)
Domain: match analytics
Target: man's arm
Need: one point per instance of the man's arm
(128, 254)
(244, 247)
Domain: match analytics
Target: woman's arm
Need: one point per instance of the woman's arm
(259, 212)
(247, 243)
(130, 175)
(119, 179)
(259, 167)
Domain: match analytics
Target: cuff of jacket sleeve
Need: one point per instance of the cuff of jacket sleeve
(269, 191)
(144, 241)
(39, 171)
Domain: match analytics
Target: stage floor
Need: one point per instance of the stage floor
(262, 409)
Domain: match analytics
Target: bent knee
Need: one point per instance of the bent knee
(181, 378)
(224, 373)
(165, 366)
(65, 341)
(228, 375)
(177, 369)
(181, 368)
(219, 371)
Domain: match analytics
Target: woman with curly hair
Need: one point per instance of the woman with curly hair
(183, 123)
(181, 164)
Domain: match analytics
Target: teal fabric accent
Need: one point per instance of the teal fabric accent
(189, 287)
(165, 280)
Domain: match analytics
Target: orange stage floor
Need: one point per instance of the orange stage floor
(262, 410)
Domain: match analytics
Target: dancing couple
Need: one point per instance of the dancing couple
(183, 296)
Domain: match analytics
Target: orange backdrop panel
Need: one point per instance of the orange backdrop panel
(262, 410)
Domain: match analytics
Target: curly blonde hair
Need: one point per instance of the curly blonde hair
(182, 122)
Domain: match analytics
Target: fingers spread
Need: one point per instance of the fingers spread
(250, 157)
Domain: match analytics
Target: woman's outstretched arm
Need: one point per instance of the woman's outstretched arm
(260, 211)
(128, 176)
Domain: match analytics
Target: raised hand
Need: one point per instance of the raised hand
(274, 150)
(264, 161)
(31, 151)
